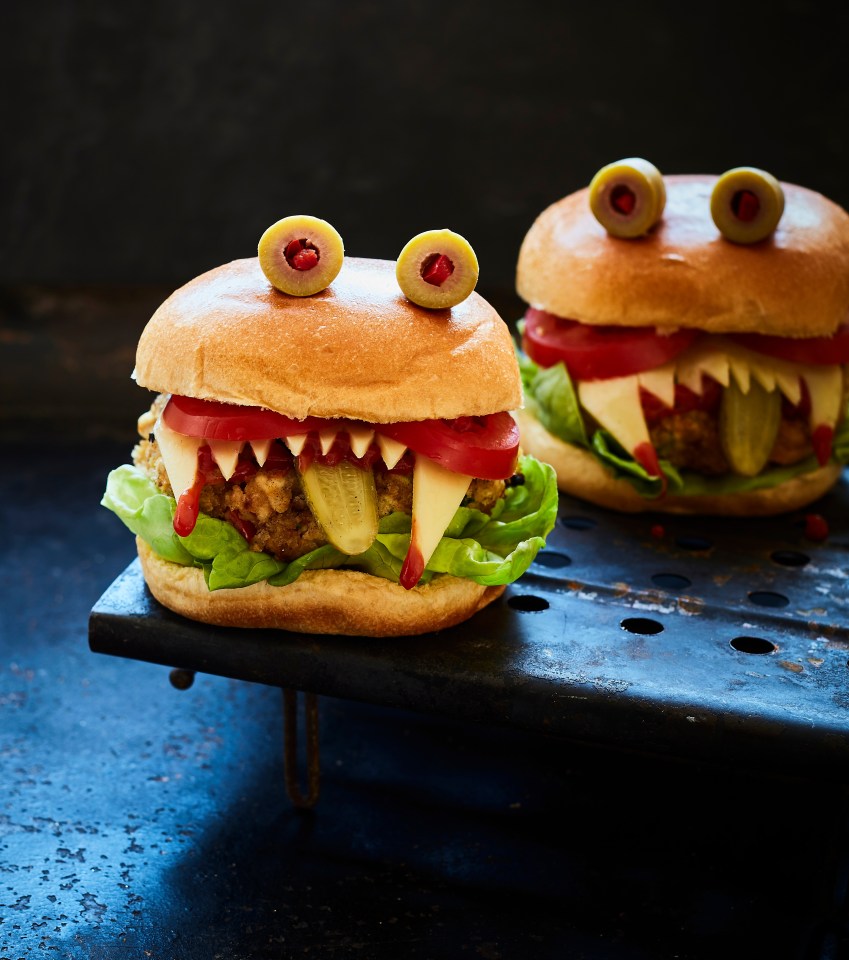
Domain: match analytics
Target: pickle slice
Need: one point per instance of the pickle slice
(748, 425)
(344, 502)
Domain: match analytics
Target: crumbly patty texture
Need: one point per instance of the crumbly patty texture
(271, 511)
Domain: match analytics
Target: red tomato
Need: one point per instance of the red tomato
(598, 353)
(485, 447)
(230, 421)
(824, 350)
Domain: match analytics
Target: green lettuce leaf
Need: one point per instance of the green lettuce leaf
(489, 549)
(550, 395)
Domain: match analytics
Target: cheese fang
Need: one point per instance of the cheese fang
(437, 493)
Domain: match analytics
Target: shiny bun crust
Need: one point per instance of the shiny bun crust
(581, 475)
(320, 601)
(684, 273)
(358, 349)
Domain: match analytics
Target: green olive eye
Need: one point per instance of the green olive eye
(301, 255)
(627, 197)
(437, 269)
(746, 204)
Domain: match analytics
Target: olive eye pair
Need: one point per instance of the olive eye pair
(627, 198)
(302, 255)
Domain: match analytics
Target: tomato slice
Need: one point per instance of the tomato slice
(818, 350)
(214, 420)
(485, 447)
(599, 353)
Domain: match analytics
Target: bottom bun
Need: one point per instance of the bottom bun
(345, 602)
(580, 474)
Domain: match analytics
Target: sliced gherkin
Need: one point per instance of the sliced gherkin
(344, 502)
(748, 425)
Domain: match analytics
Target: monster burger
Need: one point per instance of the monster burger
(686, 341)
(326, 454)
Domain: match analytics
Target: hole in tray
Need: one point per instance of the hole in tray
(694, 543)
(552, 559)
(579, 523)
(756, 645)
(790, 558)
(671, 581)
(528, 603)
(641, 625)
(766, 598)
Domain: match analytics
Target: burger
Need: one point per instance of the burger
(325, 455)
(686, 341)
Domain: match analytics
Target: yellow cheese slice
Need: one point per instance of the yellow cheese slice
(296, 442)
(260, 449)
(825, 385)
(226, 454)
(660, 382)
(390, 450)
(179, 456)
(360, 438)
(325, 439)
(437, 493)
(615, 404)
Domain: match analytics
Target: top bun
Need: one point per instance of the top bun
(684, 273)
(358, 349)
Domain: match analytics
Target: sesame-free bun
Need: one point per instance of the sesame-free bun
(358, 349)
(582, 475)
(320, 601)
(684, 273)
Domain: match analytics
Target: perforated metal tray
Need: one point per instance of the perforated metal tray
(702, 638)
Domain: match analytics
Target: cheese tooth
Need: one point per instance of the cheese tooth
(296, 442)
(226, 454)
(615, 404)
(660, 383)
(437, 493)
(360, 439)
(699, 361)
(179, 456)
(740, 372)
(325, 439)
(789, 383)
(825, 386)
(390, 450)
(260, 449)
(763, 375)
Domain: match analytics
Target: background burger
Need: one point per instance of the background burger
(336, 458)
(686, 341)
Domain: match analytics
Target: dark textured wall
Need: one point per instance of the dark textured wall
(148, 142)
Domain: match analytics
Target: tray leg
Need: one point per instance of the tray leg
(302, 800)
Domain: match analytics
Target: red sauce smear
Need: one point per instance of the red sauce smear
(821, 440)
(301, 254)
(413, 568)
(436, 269)
(646, 456)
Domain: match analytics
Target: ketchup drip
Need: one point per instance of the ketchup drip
(413, 568)
(645, 454)
(821, 440)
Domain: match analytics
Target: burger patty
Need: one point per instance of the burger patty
(270, 510)
(690, 441)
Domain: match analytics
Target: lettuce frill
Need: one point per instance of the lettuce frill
(550, 396)
(490, 549)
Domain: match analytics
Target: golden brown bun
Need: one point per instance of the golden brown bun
(346, 602)
(684, 273)
(581, 475)
(358, 349)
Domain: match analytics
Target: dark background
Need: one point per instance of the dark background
(145, 143)
(141, 144)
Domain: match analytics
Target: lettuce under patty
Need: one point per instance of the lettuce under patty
(551, 398)
(490, 549)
